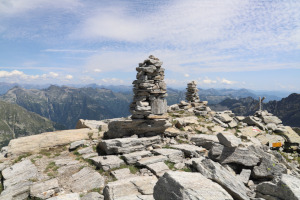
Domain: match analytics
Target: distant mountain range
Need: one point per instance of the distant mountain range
(16, 121)
(287, 109)
(65, 105)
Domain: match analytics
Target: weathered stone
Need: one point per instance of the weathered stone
(158, 168)
(150, 160)
(171, 132)
(159, 106)
(76, 144)
(271, 126)
(89, 155)
(222, 176)
(185, 185)
(233, 124)
(223, 117)
(127, 128)
(250, 120)
(132, 158)
(107, 162)
(229, 140)
(220, 122)
(244, 175)
(35, 143)
(291, 135)
(93, 196)
(72, 196)
(204, 140)
(92, 124)
(86, 150)
(192, 92)
(44, 190)
(190, 150)
(226, 155)
(172, 154)
(129, 188)
(122, 174)
(250, 131)
(127, 145)
(288, 187)
(271, 119)
(86, 180)
(270, 139)
(185, 121)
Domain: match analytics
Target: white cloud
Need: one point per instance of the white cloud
(208, 81)
(186, 75)
(70, 50)
(53, 74)
(227, 82)
(6, 74)
(69, 77)
(97, 70)
(111, 81)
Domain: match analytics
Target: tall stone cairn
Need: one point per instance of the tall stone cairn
(149, 90)
(192, 92)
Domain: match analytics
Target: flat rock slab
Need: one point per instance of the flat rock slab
(107, 162)
(65, 162)
(92, 124)
(130, 188)
(85, 180)
(185, 185)
(190, 150)
(127, 145)
(217, 173)
(132, 158)
(288, 187)
(158, 168)
(86, 150)
(72, 196)
(127, 128)
(122, 174)
(76, 144)
(173, 155)
(204, 140)
(93, 196)
(291, 135)
(228, 139)
(35, 143)
(150, 160)
(226, 155)
(44, 190)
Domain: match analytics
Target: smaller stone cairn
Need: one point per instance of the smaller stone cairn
(192, 93)
(149, 90)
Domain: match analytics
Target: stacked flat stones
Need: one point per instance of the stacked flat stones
(192, 92)
(149, 90)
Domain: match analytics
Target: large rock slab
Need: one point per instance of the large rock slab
(187, 186)
(224, 117)
(127, 128)
(127, 145)
(288, 187)
(223, 177)
(254, 121)
(72, 196)
(92, 124)
(173, 155)
(158, 168)
(291, 136)
(122, 173)
(190, 150)
(17, 180)
(107, 162)
(44, 190)
(150, 160)
(92, 196)
(159, 106)
(35, 143)
(129, 188)
(185, 121)
(271, 119)
(242, 155)
(205, 140)
(229, 140)
(85, 180)
(132, 158)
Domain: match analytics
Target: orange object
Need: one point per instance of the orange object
(277, 144)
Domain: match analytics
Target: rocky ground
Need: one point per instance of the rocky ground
(202, 155)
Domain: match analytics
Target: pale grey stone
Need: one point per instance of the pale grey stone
(204, 140)
(92, 124)
(72, 196)
(86, 150)
(158, 168)
(132, 158)
(127, 145)
(229, 140)
(224, 125)
(245, 175)
(159, 106)
(122, 189)
(89, 155)
(107, 162)
(150, 160)
(173, 155)
(85, 180)
(226, 155)
(44, 190)
(122, 174)
(223, 177)
(76, 144)
(224, 117)
(190, 150)
(188, 186)
(271, 119)
(288, 187)
(66, 162)
(93, 196)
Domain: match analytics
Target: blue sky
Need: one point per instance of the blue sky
(252, 44)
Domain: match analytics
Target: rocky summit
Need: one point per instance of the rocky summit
(186, 151)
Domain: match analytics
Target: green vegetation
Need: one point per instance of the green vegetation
(170, 164)
(21, 157)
